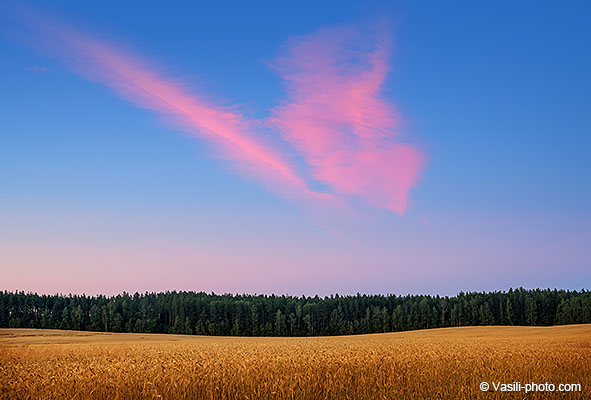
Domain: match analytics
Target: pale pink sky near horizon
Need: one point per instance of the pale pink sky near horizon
(85, 254)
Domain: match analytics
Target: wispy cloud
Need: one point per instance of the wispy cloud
(335, 116)
(338, 119)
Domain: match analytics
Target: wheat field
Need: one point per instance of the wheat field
(445, 363)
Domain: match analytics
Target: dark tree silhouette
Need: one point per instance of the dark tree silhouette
(261, 315)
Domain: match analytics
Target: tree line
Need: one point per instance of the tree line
(270, 315)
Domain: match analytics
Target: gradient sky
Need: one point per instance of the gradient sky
(302, 148)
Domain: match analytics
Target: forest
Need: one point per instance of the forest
(271, 315)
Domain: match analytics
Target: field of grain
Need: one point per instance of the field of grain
(432, 364)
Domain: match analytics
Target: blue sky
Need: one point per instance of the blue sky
(99, 195)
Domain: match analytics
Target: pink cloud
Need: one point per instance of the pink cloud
(337, 118)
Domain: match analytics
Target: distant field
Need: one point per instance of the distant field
(445, 363)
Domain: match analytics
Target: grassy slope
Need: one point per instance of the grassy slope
(437, 363)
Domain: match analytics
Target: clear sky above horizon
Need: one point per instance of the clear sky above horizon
(297, 148)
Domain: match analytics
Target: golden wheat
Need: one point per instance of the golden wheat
(433, 364)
